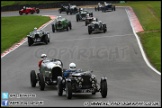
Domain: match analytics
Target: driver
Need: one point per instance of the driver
(24, 7)
(44, 57)
(35, 28)
(72, 68)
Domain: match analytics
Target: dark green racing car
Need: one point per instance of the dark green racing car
(61, 24)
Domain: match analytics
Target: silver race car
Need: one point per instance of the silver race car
(38, 36)
(49, 71)
(96, 26)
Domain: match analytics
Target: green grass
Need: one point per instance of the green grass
(149, 15)
(17, 27)
(152, 46)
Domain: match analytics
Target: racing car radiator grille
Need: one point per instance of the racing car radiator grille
(83, 15)
(36, 36)
(56, 72)
(86, 82)
(96, 26)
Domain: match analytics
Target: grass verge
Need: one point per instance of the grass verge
(149, 15)
(14, 28)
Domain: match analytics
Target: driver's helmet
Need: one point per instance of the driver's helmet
(81, 9)
(94, 19)
(35, 28)
(24, 7)
(43, 56)
(59, 17)
(72, 66)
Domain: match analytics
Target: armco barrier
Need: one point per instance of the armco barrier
(52, 5)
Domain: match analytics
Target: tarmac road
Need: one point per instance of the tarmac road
(114, 54)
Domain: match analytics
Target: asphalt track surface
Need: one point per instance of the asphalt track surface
(114, 54)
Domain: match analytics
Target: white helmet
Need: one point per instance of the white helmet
(59, 16)
(72, 66)
(43, 56)
(35, 28)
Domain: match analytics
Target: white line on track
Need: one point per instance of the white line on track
(140, 46)
(95, 37)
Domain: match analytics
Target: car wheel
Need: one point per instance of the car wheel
(95, 9)
(68, 90)
(114, 8)
(103, 85)
(37, 10)
(89, 30)
(60, 87)
(45, 39)
(85, 23)
(60, 11)
(67, 28)
(33, 79)
(20, 13)
(104, 28)
(26, 13)
(31, 12)
(67, 12)
(30, 41)
(41, 81)
(53, 28)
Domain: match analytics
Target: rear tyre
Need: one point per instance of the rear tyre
(68, 90)
(70, 26)
(41, 81)
(89, 30)
(67, 28)
(33, 79)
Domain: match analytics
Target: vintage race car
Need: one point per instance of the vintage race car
(99, 7)
(81, 82)
(82, 15)
(38, 36)
(49, 70)
(72, 9)
(63, 8)
(108, 7)
(97, 26)
(61, 24)
(27, 10)
(89, 19)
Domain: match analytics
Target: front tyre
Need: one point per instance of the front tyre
(68, 90)
(41, 81)
(30, 41)
(60, 88)
(38, 11)
(103, 85)
(33, 79)
(53, 28)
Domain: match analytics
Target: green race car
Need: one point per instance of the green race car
(61, 24)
